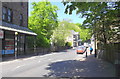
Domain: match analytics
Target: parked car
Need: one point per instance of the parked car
(80, 50)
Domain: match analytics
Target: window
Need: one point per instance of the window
(21, 19)
(9, 15)
(4, 14)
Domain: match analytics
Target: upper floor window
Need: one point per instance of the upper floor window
(4, 13)
(9, 15)
(21, 19)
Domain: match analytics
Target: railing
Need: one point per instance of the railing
(41, 50)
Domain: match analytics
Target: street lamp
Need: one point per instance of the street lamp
(16, 44)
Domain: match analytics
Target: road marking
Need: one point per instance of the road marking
(57, 61)
(18, 67)
(49, 59)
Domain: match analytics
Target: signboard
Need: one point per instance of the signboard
(7, 52)
(1, 34)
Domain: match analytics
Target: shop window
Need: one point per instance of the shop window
(9, 42)
(21, 44)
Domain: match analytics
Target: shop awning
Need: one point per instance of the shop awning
(16, 28)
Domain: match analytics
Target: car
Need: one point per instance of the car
(80, 50)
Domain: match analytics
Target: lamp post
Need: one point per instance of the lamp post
(16, 44)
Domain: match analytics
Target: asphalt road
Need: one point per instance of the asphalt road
(58, 64)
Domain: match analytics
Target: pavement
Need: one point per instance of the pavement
(11, 58)
(63, 64)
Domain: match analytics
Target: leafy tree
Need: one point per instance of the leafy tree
(85, 33)
(64, 30)
(60, 34)
(102, 17)
(43, 21)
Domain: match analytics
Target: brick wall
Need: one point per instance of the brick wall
(18, 9)
(0, 11)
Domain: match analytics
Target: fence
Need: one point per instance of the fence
(111, 53)
(41, 50)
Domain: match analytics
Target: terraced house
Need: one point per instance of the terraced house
(14, 28)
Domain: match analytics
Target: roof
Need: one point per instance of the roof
(16, 28)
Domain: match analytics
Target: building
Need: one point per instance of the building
(74, 38)
(14, 28)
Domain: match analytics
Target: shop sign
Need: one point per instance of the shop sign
(7, 52)
(1, 34)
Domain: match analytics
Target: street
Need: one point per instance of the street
(58, 64)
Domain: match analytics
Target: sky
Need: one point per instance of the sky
(61, 15)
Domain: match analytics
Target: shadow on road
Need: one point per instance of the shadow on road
(90, 67)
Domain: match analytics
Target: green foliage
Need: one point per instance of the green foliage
(60, 34)
(43, 21)
(69, 44)
(64, 30)
(101, 17)
(85, 33)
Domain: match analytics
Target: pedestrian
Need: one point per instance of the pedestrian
(91, 49)
(85, 51)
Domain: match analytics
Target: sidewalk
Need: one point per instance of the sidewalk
(10, 58)
(94, 67)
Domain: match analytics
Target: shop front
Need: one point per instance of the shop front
(13, 41)
(8, 43)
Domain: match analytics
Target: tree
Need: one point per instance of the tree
(85, 33)
(60, 34)
(102, 17)
(43, 21)
(64, 30)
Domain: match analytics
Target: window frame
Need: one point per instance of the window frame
(4, 14)
(9, 16)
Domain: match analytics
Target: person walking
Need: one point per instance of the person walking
(91, 49)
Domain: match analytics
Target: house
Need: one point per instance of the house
(14, 28)
(74, 38)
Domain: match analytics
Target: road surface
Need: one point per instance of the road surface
(58, 64)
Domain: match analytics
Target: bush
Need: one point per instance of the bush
(69, 44)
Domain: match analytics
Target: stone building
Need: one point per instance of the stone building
(14, 28)
(74, 38)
